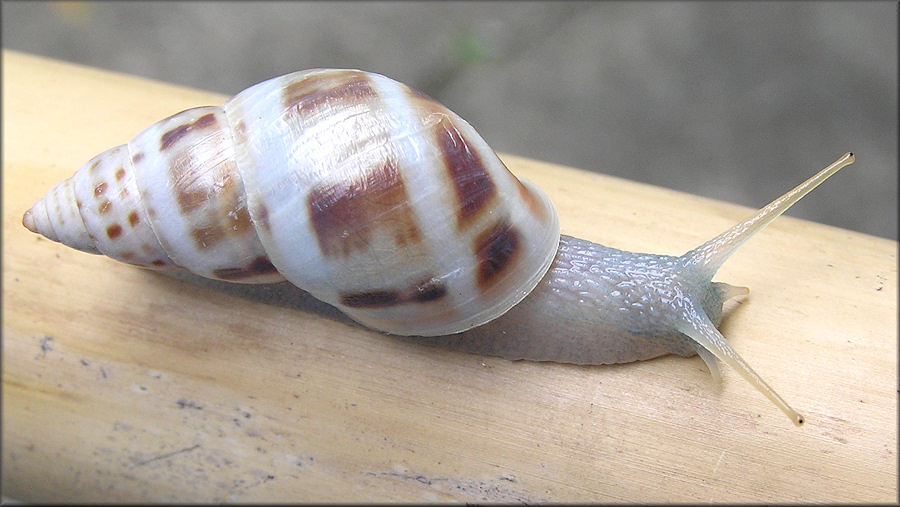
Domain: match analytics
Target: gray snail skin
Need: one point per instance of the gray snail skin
(376, 199)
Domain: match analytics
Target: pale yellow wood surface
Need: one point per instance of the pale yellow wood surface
(120, 384)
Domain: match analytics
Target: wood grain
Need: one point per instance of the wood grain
(121, 384)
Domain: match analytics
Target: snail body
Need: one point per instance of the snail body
(378, 200)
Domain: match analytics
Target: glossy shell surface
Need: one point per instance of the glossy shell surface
(364, 192)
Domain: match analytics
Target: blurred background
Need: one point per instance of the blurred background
(730, 100)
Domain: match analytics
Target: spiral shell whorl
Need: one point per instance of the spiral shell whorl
(190, 185)
(98, 210)
(168, 199)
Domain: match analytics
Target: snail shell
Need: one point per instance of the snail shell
(354, 187)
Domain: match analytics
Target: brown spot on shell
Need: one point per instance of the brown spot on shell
(495, 250)
(114, 231)
(372, 299)
(426, 106)
(430, 289)
(344, 215)
(315, 91)
(259, 266)
(99, 189)
(262, 216)
(127, 255)
(120, 173)
(240, 133)
(171, 137)
(159, 263)
(419, 96)
(241, 221)
(530, 200)
(104, 207)
(473, 185)
(189, 197)
(134, 219)
(216, 207)
(207, 235)
(232, 214)
(137, 157)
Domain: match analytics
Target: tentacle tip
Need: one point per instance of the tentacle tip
(735, 290)
(799, 420)
(28, 221)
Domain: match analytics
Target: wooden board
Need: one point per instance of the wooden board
(121, 384)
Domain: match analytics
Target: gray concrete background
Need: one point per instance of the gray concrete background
(735, 101)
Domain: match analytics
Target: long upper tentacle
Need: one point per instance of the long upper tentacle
(710, 256)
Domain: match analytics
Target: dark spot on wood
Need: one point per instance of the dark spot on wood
(172, 136)
(46, 345)
(134, 219)
(100, 189)
(182, 403)
(114, 231)
(259, 266)
(473, 185)
(346, 214)
(495, 250)
(372, 299)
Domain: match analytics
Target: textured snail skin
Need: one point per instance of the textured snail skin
(451, 247)
(596, 305)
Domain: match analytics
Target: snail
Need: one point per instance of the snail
(378, 200)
